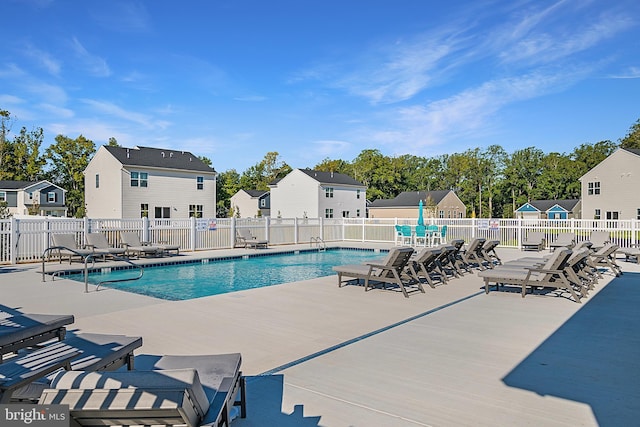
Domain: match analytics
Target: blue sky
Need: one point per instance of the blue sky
(234, 79)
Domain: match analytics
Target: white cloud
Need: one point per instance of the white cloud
(57, 111)
(629, 73)
(96, 65)
(114, 110)
(44, 59)
(48, 93)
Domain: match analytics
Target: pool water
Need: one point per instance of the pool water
(213, 277)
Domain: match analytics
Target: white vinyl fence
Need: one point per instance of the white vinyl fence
(24, 240)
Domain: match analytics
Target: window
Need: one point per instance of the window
(328, 213)
(638, 213)
(596, 215)
(3, 196)
(357, 194)
(358, 213)
(30, 195)
(200, 183)
(144, 210)
(139, 179)
(612, 215)
(593, 188)
(97, 181)
(345, 214)
(51, 196)
(263, 203)
(440, 214)
(195, 210)
(328, 192)
(162, 212)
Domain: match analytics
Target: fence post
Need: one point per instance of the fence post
(193, 233)
(519, 233)
(364, 227)
(13, 241)
(87, 228)
(267, 228)
(321, 227)
(145, 229)
(232, 233)
(295, 230)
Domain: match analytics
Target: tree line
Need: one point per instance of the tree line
(491, 182)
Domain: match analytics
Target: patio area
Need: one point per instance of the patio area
(319, 355)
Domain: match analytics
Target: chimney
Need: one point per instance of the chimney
(127, 153)
(162, 154)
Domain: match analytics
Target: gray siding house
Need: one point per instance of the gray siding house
(139, 182)
(33, 198)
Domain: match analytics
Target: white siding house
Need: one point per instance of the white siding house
(33, 198)
(305, 193)
(140, 181)
(250, 203)
(610, 189)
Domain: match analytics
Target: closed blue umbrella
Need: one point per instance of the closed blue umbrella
(420, 217)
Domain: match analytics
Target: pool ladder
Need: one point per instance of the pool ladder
(88, 258)
(320, 244)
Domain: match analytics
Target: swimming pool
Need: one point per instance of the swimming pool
(218, 276)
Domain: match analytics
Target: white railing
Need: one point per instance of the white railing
(25, 239)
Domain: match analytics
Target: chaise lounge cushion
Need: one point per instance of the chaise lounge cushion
(133, 397)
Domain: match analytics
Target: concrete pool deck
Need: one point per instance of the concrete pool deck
(342, 357)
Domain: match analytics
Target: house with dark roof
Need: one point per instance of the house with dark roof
(139, 182)
(436, 204)
(307, 193)
(251, 203)
(610, 189)
(33, 198)
(550, 209)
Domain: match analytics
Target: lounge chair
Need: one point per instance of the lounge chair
(605, 257)
(488, 252)
(535, 241)
(25, 377)
(563, 240)
(391, 270)
(551, 274)
(98, 242)
(170, 390)
(473, 254)
(134, 247)
(246, 239)
(598, 239)
(425, 266)
(65, 246)
(27, 330)
(630, 254)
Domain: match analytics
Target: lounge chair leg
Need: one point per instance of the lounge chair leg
(243, 397)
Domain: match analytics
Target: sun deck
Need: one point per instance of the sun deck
(319, 355)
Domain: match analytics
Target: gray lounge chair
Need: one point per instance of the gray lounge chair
(550, 275)
(67, 247)
(425, 266)
(27, 330)
(245, 238)
(134, 246)
(606, 257)
(535, 241)
(98, 242)
(25, 377)
(599, 239)
(170, 390)
(392, 270)
(473, 253)
(563, 240)
(630, 254)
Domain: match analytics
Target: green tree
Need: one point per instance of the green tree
(68, 158)
(27, 162)
(559, 178)
(259, 176)
(522, 170)
(339, 166)
(228, 184)
(113, 142)
(5, 146)
(632, 139)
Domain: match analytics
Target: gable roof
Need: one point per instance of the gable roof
(255, 193)
(544, 205)
(23, 185)
(410, 199)
(158, 158)
(635, 151)
(331, 177)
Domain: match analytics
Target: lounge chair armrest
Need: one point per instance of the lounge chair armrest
(374, 265)
(542, 270)
(25, 376)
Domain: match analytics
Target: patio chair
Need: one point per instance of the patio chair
(488, 252)
(407, 235)
(168, 390)
(473, 254)
(421, 235)
(66, 247)
(398, 235)
(98, 242)
(27, 376)
(598, 239)
(425, 265)
(434, 232)
(27, 330)
(563, 240)
(245, 238)
(630, 254)
(134, 247)
(535, 241)
(550, 275)
(606, 257)
(392, 270)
